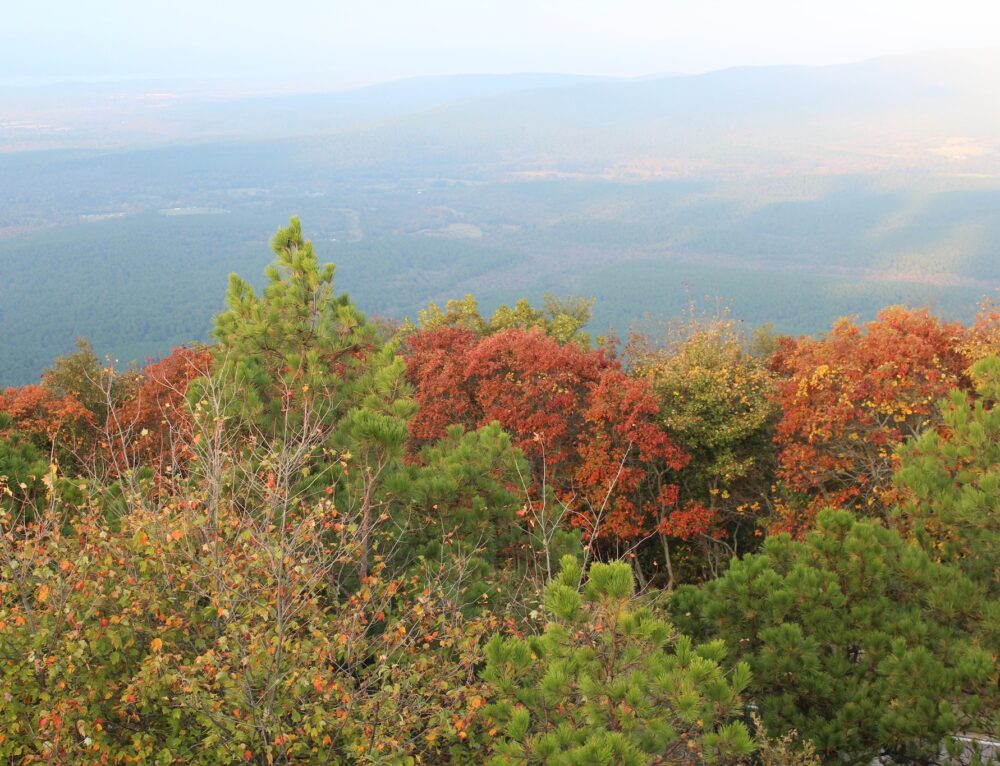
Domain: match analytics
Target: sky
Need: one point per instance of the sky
(353, 42)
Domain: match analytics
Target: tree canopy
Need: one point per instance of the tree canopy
(327, 539)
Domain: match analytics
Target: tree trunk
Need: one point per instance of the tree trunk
(670, 565)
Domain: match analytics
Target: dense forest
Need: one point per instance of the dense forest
(486, 536)
(136, 269)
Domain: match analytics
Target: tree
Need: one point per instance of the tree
(297, 348)
(461, 314)
(436, 362)
(535, 387)
(375, 432)
(716, 401)
(22, 466)
(301, 366)
(950, 481)
(562, 319)
(589, 432)
(464, 490)
(849, 399)
(857, 640)
(608, 682)
(982, 337)
(84, 376)
(59, 427)
(625, 481)
(151, 427)
(184, 633)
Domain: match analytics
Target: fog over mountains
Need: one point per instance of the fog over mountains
(791, 193)
(898, 104)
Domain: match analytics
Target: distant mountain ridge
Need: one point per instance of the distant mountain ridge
(936, 94)
(894, 111)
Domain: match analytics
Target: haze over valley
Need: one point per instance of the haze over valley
(791, 194)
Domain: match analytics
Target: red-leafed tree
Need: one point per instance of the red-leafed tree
(152, 426)
(589, 431)
(625, 442)
(537, 389)
(849, 399)
(436, 361)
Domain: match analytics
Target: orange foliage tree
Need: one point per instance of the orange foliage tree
(58, 426)
(849, 399)
(982, 338)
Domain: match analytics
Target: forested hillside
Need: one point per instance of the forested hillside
(794, 194)
(489, 534)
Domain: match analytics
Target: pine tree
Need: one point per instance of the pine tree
(463, 489)
(22, 466)
(856, 639)
(609, 682)
(320, 400)
(951, 481)
(297, 348)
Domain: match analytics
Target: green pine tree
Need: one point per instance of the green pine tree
(22, 467)
(856, 639)
(609, 682)
(951, 481)
(319, 402)
(293, 354)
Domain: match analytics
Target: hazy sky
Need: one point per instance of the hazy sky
(347, 42)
